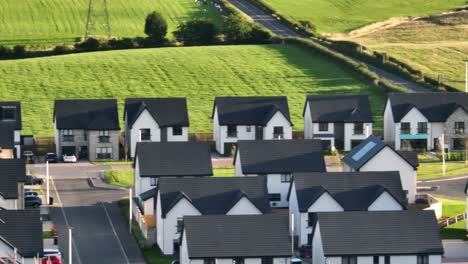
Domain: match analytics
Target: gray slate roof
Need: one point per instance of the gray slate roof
(252, 110)
(436, 107)
(23, 230)
(368, 148)
(7, 135)
(159, 159)
(91, 114)
(280, 156)
(12, 171)
(339, 108)
(17, 123)
(237, 236)
(352, 190)
(380, 233)
(213, 195)
(166, 111)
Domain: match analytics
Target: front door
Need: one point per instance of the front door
(259, 133)
(164, 134)
(83, 152)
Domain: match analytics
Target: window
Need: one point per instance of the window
(237, 261)
(274, 197)
(9, 113)
(104, 136)
(376, 260)
(423, 259)
(248, 129)
(422, 128)
(232, 131)
(387, 259)
(145, 134)
(458, 143)
(405, 128)
(323, 127)
(67, 135)
(459, 127)
(177, 131)
(349, 260)
(278, 132)
(104, 153)
(180, 224)
(209, 261)
(358, 128)
(267, 260)
(85, 136)
(285, 177)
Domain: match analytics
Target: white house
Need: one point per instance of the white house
(363, 237)
(179, 197)
(416, 121)
(341, 191)
(21, 229)
(374, 155)
(155, 119)
(340, 121)
(12, 179)
(10, 130)
(236, 239)
(249, 118)
(278, 159)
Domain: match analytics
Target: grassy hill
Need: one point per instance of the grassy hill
(52, 22)
(345, 15)
(199, 73)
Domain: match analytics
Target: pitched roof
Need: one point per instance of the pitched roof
(12, 171)
(166, 111)
(352, 190)
(368, 148)
(380, 233)
(93, 114)
(252, 110)
(237, 236)
(159, 159)
(17, 106)
(280, 156)
(340, 108)
(7, 135)
(213, 195)
(23, 230)
(436, 107)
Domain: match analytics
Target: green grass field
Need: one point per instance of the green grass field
(52, 22)
(121, 178)
(345, 15)
(429, 170)
(451, 208)
(198, 73)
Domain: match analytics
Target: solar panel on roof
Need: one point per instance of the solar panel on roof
(370, 145)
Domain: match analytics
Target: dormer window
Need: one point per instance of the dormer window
(9, 113)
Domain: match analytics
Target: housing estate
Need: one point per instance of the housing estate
(12, 179)
(278, 160)
(155, 119)
(340, 121)
(249, 118)
(87, 128)
(10, 130)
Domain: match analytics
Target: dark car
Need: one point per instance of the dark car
(306, 251)
(32, 201)
(51, 157)
(31, 180)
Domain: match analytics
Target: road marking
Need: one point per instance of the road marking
(442, 180)
(64, 217)
(115, 233)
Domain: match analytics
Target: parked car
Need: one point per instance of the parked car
(32, 180)
(28, 154)
(51, 157)
(32, 201)
(306, 251)
(52, 252)
(69, 158)
(30, 193)
(52, 256)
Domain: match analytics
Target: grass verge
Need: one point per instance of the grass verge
(121, 178)
(224, 172)
(111, 163)
(430, 170)
(451, 208)
(47, 234)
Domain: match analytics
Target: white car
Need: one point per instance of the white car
(30, 193)
(52, 252)
(69, 158)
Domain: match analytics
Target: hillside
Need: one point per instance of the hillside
(199, 73)
(345, 15)
(53, 22)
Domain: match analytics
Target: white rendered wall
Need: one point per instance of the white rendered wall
(385, 202)
(389, 124)
(145, 120)
(277, 119)
(349, 134)
(176, 138)
(308, 133)
(275, 185)
(244, 207)
(414, 116)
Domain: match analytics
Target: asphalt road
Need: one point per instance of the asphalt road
(283, 30)
(450, 187)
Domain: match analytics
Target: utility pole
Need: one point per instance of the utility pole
(47, 183)
(443, 154)
(130, 216)
(70, 255)
(292, 234)
(98, 15)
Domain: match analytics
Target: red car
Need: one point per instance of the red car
(51, 260)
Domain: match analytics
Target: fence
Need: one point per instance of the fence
(452, 220)
(147, 223)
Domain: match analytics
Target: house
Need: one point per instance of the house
(382, 237)
(155, 119)
(249, 118)
(12, 179)
(10, 130)
(179, 197)
(278, 159)
(21, 233)
(236, 239)
(87, 128)
(374, 155)
(416, 121)
(341, 191)
(154, 160)
(340, 121)
(466, 193)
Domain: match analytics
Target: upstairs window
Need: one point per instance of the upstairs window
(423, 259)
(376, 260)
(9, 113)
(285, 177)
(177, 131)
(349, 260)
(267, 260)
(209, 261)
(387, 259)
(153, 181)
(145, 134)
(67, 135)
(405, 128)
(104, 136)
(278, 132)
(231, 131)
(459, 127)
(323, 127)
(238, 261)
(422, 127)
(358, 129)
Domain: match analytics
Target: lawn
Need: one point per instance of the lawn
(198, 73)
(451, 208)
(122, 178)
(223, 172)
(429, 170)
(345, 15)
(52, 22)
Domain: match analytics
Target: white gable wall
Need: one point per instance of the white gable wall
(176, 138)
(385, 202)
(317, 246)
(389, 124)
(275, 185)
(414, 116)
(244, 207)
(9, 204)
(294, 209)
(145, 120)
(349, 134)
(308, 133)
(159, 223)
(238, 165)
(277, 119)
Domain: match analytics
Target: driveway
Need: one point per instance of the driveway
(450, 187)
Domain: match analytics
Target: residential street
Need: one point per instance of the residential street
(450, 187)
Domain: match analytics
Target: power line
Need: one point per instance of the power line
(98, 18)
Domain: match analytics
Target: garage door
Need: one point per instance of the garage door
(69, 150)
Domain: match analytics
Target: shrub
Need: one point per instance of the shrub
(259, 35)
(61, 49)
(5, 52)
(19, 51)
(156, 26)
(90, 44)
(125, 43)
(196, 32)
(236, 29)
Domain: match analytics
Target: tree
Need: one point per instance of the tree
(90, 44)
(236, 29)
(196, 32)
(155, 26)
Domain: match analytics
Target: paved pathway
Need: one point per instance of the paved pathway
(450, 187)
(456, 251)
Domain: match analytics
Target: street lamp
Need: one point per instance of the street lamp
(466, 75)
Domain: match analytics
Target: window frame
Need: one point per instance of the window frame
(231, 131)
(349, 259)
(104, 136)
(153, 181)
(209, 260)
(387, 260)
(248, 129)
(459, 127)
(405, 130)
(238, 260)
(267, 260)
(286, 177)
(376, 260)
(68, 135)
(274, 197)
(422, 259)
(322, 125)
(357, 131)
(278, 134)
(422, 128)
(13, 109)
(104, 153)
(148, 130)
(177, 129)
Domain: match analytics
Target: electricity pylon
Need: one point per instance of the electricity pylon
(98, 18)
